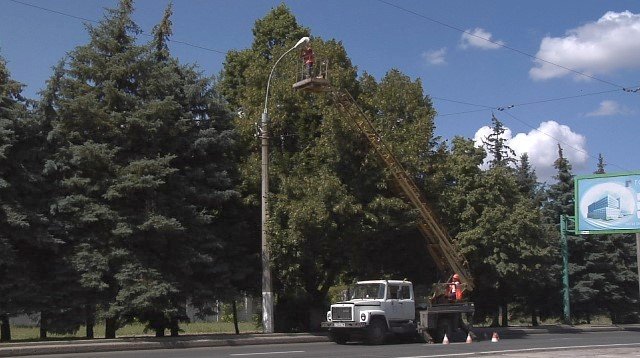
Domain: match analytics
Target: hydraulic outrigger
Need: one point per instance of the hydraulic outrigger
(447, 258)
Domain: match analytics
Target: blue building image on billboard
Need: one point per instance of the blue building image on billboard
(605, 208)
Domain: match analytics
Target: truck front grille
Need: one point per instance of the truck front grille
(341, 314)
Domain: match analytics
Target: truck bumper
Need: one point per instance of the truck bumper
(343, 325)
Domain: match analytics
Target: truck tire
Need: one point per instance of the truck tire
(339, 337)
(377, 331)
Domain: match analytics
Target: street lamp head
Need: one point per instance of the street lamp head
(305, 39)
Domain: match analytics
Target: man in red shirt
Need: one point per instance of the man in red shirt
(308, 58)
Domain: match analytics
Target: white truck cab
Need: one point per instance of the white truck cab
(374, 309)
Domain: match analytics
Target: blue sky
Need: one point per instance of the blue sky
(441, 42)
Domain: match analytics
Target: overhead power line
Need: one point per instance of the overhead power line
(505, 107)
(561, 142)
(497, 43)
(97, 22)
(461, 102)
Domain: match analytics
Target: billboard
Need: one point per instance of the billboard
(607, 203)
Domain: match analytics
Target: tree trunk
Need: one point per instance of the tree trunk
(235, 315)
(90, 321)
(534, 317)
(5, 328)
(110, 328)
(495, 320)
(43, 325)
(175, 327)
(160, 332)
(505, 315)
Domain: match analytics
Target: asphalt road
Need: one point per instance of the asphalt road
(584, 344)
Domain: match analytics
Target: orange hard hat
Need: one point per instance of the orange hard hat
(455, 275)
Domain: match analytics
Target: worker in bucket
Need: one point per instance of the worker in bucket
(309, 58)
(454, 290)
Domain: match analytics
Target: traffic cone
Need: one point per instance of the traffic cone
(495, 337)
(469, 339)
(445, 340)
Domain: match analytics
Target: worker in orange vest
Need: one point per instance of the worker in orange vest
(455, 290)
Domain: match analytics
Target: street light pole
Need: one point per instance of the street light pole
(267, 289)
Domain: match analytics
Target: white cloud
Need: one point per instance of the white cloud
(542, 146)
(611, 43)
(435, 57)
(608, 108)
(479, 38)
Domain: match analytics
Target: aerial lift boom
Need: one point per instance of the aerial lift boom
(448, 259)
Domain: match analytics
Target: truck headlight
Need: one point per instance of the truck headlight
(329, 316)
(363, 317)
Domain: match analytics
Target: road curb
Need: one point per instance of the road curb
(39, 348)
(515, 332)
(199, 341)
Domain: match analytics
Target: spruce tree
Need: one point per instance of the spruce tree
(26, 249)
(144, 153)
(502, 238)
(604, 274)
(558, 201)
(13, 219)
(495, 143)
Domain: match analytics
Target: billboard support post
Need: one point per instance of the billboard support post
(565, 267)
(638, 259)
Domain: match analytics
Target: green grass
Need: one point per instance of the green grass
(21, 333)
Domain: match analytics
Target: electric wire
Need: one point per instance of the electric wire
(561, 142)
(484, 107)
(502, 108)
(498, 43)
(506, 109)
(565, 98)
(462, 102)
(97, 22)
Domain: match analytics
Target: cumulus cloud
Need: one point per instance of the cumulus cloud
(611, 43)
(608, 108)
(435, 57)
(541, 145)
(479, 38)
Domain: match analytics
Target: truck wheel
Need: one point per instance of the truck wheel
(376, 332)
(339, 338)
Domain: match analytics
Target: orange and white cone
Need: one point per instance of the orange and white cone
(495, 337)
(469, 339)
(445, 340)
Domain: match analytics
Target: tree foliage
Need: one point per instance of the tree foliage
(131, 188)
(144, 175)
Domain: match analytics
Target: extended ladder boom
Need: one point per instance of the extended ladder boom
(439, 244)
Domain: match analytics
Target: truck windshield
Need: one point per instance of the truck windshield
(368, 290)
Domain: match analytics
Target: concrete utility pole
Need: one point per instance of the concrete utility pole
(565, 268)
(638, 257)
(267, 287)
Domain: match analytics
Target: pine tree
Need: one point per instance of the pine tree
(501, 235)
(143, 162)
(560, 194)
(25, 246)
(495, 144)
(600, 164)
(13, 219)
(604, 274)
(559, 200)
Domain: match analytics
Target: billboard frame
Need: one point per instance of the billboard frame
(578, 218)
